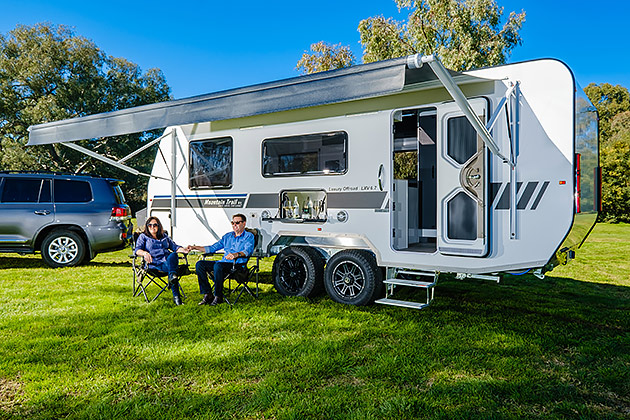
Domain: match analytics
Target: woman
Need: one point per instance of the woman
(160, 252)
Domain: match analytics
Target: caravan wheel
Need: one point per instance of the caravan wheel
(352, 277)
(298, 271)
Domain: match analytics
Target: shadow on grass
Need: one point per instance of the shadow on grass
(109, 264)
(26, 261)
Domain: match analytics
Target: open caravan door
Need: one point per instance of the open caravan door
(462, 180)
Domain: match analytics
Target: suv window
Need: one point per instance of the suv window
(21, 190)
(120, 198)
(67, 191)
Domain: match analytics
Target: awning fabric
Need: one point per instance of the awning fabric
(357, 82)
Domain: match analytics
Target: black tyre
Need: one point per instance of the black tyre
(352, 277)
(63, 248)
(298, 271)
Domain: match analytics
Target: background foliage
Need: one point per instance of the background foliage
(613, 107)
(48, 73)
(465, 35)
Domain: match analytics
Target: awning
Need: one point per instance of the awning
(357, 82)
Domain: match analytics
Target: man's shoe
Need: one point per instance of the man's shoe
(207, 299)
(216, 301)
(177, 300)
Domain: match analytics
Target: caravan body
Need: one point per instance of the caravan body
(336, 168)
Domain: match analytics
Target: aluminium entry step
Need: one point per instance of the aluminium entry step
(417, 272)
(411, 283)
(403, 303)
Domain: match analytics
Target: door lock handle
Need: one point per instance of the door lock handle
(42, 212)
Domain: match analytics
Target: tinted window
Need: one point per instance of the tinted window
(44, 194)
(462, 139)
(67, 191)
(462, 217)
(306, 155)
(211, 163)
(120, 198)
(21, 190)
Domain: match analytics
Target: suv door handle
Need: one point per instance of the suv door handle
(42, 212)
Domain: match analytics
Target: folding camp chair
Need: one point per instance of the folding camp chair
(145, 276)
(243, 274)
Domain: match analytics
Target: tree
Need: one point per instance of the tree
(609, 100)
(613, 108)
(615, 163)
(464, 34)
(325, 57)
(48, 73)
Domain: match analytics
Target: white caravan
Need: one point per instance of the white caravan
(380, 174)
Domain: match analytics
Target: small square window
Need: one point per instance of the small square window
(211, 163)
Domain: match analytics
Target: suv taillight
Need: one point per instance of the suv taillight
(120, 213)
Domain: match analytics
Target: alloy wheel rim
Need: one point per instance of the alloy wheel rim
(348, 279)
(293, 273)
(63, 250)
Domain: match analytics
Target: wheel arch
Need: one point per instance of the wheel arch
(50, 228)
(327, 245)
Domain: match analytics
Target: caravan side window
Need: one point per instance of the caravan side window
(308, 154)
(210, 163)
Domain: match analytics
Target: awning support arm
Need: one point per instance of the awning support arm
(143, 148)
(108, 160)
(416, 61)
(515, 122)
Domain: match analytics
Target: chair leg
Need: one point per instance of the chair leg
(163, 288)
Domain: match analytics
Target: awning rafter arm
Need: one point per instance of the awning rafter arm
(145, 147)
(109, 161)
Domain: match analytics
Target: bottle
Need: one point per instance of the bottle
(296, 208)
(286, 207)
(311, 213)
(305, 214)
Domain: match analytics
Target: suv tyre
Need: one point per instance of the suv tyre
(63, 248)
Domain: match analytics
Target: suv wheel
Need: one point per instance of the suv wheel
(63, 248)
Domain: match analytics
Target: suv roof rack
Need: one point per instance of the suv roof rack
(28, 171)
(111, 180)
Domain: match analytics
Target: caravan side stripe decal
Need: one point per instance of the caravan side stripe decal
(502, 201)
(540, 195)
(336, 200)
(356, 200)
(527, 194)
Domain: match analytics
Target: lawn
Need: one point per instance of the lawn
(75, 344)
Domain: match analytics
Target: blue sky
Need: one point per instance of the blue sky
(207, 46)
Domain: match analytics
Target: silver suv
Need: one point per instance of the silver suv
(69, 218)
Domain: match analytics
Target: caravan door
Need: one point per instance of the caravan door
(462, 179)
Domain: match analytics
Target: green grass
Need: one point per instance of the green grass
(74, 344)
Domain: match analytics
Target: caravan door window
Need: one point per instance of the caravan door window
(309, 154)
(211, 163)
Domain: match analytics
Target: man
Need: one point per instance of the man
(238, 246)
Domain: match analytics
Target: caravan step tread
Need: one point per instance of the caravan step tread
(417, 273)
(403, 303)
(412, 283)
